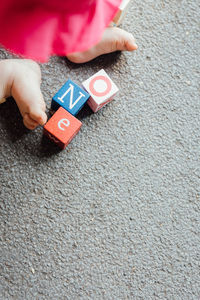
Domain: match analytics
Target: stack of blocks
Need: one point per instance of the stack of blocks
(62, 127)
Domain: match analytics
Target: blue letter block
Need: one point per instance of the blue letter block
(71, 97)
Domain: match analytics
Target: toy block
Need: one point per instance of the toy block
(101, 88)
(62, 127)
(71, 97)
(123, 8)
(2, 100)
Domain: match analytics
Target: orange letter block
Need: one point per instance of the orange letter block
(62, 127)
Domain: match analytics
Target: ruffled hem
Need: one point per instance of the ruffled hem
(40, 29)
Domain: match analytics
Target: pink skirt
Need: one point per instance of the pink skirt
(38, 29)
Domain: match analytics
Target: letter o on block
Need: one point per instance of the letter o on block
(101, 89)
(94, 90)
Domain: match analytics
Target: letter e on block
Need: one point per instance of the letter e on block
(62, 128)
(101, 88)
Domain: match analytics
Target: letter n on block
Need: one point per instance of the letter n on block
(71, 97)
(62, 128)
(101, 88)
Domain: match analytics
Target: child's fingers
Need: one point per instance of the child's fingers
(38, 115)
(28, 122)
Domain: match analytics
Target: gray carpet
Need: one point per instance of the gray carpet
(115, 215)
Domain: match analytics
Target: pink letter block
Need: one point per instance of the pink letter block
(101, 88)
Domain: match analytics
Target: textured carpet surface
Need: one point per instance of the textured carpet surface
(116, 215)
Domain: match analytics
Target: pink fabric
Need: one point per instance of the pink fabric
(38, 29)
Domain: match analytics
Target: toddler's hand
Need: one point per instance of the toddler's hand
(21, 78)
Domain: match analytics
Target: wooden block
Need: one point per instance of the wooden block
(2, 100)
(101, 88)
(62, 127)
(123, 8)
(71, 97)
